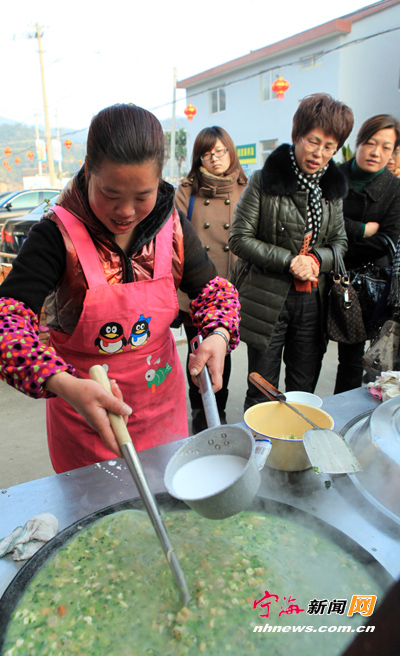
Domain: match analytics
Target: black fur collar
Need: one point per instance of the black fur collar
(279, 179)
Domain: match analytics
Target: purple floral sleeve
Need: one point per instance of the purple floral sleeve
(217, 305)
(25, 363)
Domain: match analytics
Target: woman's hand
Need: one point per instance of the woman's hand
(92, 402)
(371, 228)
(211, 351)
(304, 267)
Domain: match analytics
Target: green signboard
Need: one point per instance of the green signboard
(247, 154)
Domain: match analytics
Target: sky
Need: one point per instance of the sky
(98, 53)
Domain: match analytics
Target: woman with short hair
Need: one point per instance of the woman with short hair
(288, 215)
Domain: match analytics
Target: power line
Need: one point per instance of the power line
(282, 65)
(252, 75)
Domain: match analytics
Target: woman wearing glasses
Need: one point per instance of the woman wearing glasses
(372, 219)
(208, 196)
(289, 213)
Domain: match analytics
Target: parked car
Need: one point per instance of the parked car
(18, 203)
(16, 229)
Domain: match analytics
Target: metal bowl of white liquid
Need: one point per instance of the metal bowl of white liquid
(216, 472)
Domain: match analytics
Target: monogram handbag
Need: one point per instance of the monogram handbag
(344, 320)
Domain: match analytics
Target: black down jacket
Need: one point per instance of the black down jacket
(379, 201)
(268, 231)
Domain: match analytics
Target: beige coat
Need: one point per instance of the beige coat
(212, 217)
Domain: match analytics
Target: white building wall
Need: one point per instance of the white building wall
(369, 71)
(365, 76)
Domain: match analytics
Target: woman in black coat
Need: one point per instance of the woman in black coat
(371, 211)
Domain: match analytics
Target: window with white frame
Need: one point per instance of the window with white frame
(311, 61)
(266, 81)
(218, 101)
(266, 148)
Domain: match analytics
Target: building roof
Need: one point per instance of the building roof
(337, 26)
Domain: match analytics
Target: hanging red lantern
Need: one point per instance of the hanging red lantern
(5, 163)
(8, 168)
(7, 151)
(280, 86)
(17, 160)
(68, 143)
(31, 155)
(43, 166)
(80, 162)
(190, 111)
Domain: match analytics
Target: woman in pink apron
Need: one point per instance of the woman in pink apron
(108, 259)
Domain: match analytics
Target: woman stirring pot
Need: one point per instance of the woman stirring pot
(108, 259)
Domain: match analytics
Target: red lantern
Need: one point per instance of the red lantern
(7, 151)
(31, 155)
(190, 111)
(280, 86)
(8, 168)
(68, 143)
(17, 160)
(6, 163)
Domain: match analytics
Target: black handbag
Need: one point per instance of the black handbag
(372, 285)
(344, 321)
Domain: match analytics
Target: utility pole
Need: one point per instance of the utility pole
(37, 139)
(50, 161)
(172, 167)
(58, 139)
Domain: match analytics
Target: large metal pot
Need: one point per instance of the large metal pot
(375, 440)
(22, 579)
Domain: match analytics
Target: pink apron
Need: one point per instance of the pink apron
(126, 328)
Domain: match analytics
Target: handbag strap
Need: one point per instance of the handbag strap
(339, 268)
(392, 248)
(190, 208)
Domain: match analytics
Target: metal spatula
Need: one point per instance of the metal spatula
(98, 374)
(326, 450)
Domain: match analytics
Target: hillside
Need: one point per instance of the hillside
(21, 139)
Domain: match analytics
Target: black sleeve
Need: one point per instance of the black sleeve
(386, 212)
(38, 268)
(198, 269)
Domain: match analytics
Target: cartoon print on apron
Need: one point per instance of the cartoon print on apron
(113, 330)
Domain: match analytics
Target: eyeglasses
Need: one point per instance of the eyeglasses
(313, 147)
(217, 153)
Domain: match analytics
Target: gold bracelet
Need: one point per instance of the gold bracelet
(219, 332)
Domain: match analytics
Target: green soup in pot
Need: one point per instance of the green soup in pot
(109, 590)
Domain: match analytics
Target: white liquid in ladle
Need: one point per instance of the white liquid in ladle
(207, 475)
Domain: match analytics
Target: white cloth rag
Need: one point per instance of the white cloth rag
(26, 540)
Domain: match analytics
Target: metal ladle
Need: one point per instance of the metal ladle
(98, 374)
